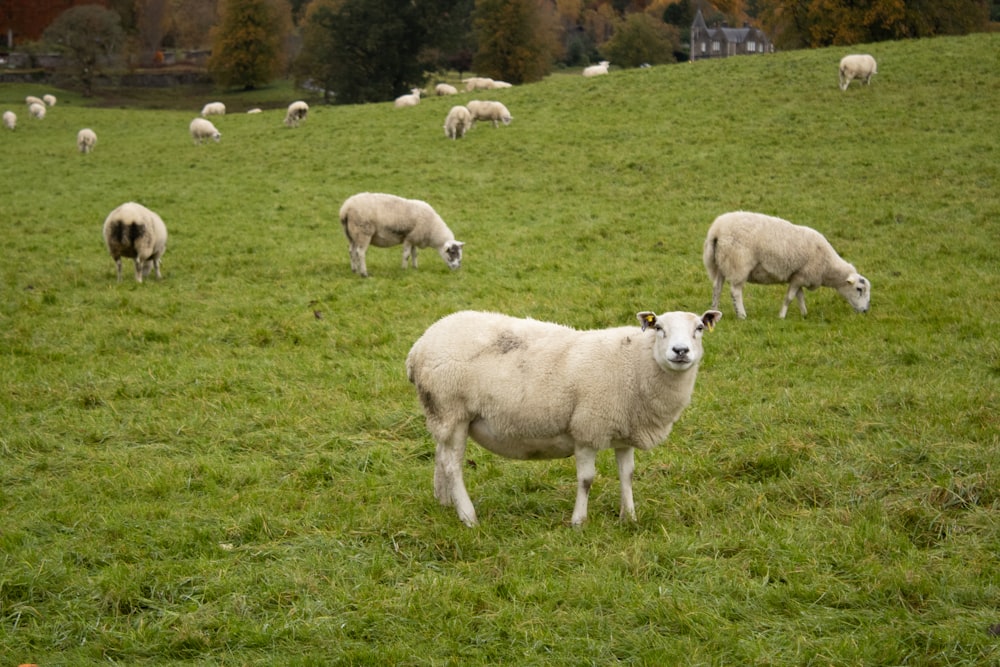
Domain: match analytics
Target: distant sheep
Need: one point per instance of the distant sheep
(744, 247)
(477, 83)
(255, 110)
(213, 109)
(50, 100)
(411, 100)
(31, 99)
(490, 110)
(383, 220)
(458, 122)
(534, 390)
(9, 120)
(857, 66)
(297, 112)
(86, 139)
(37, 111)
(445, 89)
(597, 70)
(202, 129)
(496, 85)
(132, 230)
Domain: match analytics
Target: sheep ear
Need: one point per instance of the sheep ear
(646, 319)
(851, 280)
(710, 318)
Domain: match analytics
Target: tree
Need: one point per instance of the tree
(640, 38)
(518, 39)
(247, 44)
(87, 36)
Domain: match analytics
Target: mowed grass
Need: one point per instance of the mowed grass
(229, 466)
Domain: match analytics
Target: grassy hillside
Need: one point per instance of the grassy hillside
(229, 467)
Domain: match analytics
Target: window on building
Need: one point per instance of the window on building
(751, 47)
(715, 47)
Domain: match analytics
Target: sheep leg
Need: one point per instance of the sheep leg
(358, 264)
(586, 469)
(717, 291)
(118, 264)
(736, 290)
(794, 292)
(409, 254)
(626, 467)
(138, 269)
(801, 296)
(449, 486)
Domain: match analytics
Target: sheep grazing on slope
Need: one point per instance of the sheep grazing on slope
(490, 110)
(597, 70)
(255, 110)
(746, 247)
(532, 390)
(497, 85)
(86, 139)
(445, 89)
(411, 100)
(383, 220)
(857, 66)
(297, 112)
(458, 122)
(477, 83)
(50, 100)
(213, 109)
(132, 230)
(31, 99)
(9, 120)
(37, 111)
(202, 129)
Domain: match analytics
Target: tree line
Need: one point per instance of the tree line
(373, 50)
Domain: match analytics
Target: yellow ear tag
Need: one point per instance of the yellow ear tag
(650, 319)
(711, 326)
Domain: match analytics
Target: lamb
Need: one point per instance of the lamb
(477, 83)
(857, 66)
(9, 120)
(445, 89)
(458, 122)
(411, 100)
(50, 100)
(490, 110)
(533, 390)
(86, 139)
(213, 109)
(597, 70)
(297, 112)
(132, 230)
(744, 247)
(202, 129)
(383, 220)
(37, 111)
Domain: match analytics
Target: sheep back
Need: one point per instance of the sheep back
(457, 122)
(202, 129)
(134, 231)
(859, 66)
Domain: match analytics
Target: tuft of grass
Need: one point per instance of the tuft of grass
(228, 466)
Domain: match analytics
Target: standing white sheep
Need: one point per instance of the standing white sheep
(86, 139)
(9, 120)
(383, 220)
(132, 230)
(202, 129)
(857, 66)
(297, 112)
(445, 89)
(490, 110)
(37, 111)
(31, 99)
(411, 100)
(597, 70)
(213, 109)
(477, 83)
(532, 390)
(458, 122)
(744, 247)
(50, 100)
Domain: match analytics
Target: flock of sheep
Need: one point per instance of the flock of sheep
(526, 389)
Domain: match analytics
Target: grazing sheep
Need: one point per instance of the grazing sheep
(255, 110)
(9, 120)
(132, 230)
(445, 89)
(31, 99)
(382, 220)
(458, 122)
(202, 129)
(86, 139)
(532, 390)
(597, 70)
(477, 83)
(495, 85)
(411, 100)
(490, 110)
(857, 66)
(746, 247)
(213, 109)
(50, 100)
(297, 112)
(37, 111)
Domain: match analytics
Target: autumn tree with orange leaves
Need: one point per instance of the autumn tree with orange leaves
(247, 44)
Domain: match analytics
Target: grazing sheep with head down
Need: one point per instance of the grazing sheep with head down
(132, 230)
(31, 99)
(477, 83)
(857, 66)
(202, 129)
(9, 120)
(86, 139)
(49, 100)
(37, 111)
(213, 109)
(597, 70)
(532, 390)
(746, 247)
(458, 122)
(490, 110)
(411, 100)
(297, 112)
(383, 220)
(445, 89)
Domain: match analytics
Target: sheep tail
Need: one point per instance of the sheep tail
(708, 256)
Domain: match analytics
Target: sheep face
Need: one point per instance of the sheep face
(451, 253)
(857, 290)
(678, 337)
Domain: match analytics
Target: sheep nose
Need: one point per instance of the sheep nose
(681, 350)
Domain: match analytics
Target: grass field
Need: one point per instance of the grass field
(229, 466)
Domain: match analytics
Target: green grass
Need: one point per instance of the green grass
(229, 466)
